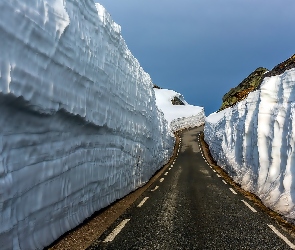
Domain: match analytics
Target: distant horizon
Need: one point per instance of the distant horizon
(203, 49)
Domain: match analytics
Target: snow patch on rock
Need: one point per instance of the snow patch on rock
(178, 116)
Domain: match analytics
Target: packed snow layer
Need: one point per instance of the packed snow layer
(79, 125)
(254, 142)
(178, 116)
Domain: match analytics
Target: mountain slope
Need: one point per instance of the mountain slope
(249, 84)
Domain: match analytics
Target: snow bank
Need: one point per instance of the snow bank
(79, 125)
(254, 142)
(178, 116)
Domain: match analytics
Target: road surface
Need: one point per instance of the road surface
(191, 207)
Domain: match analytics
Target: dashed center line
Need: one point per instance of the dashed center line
(116, 231)
(233, 191)
(224, 181)
(250, 207)
(155, 188)
(161, 180)
(289, 243)
(142, 202)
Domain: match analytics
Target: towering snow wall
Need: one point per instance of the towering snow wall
(79, 126)
(254, 142)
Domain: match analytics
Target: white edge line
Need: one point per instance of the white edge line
(142, 202)
(233, 191)
(116, 231)
(289, 243)
(249, 206)
(155, 188)
(224, 182)
(218, 176)
(214, 171)
(161, 180)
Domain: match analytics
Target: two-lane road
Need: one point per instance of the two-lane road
(191, 207)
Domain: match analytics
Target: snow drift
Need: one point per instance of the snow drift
(254, 141)
(79, 125)
(178, 116)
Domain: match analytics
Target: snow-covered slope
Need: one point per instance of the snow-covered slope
(178, 116)
(254, 142)
(79, 125)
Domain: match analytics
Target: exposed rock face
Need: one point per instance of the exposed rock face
(156, 87)
(282, 67)
(177, 101)
(253, 82)
(240, 92)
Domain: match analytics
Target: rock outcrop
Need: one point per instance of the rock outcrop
(282, 67)
(253, 82)
(249, 84)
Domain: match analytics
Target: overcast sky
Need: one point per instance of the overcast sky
(202, 48)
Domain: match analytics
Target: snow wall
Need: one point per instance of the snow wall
(254, 142)
(188, 122)
(79, 125)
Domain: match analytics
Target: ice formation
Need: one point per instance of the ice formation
(254, 141)
(79, 125)
(178, 116)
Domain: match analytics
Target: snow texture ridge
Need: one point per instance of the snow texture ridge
(79, 125)
(254, 141)
(178, 116)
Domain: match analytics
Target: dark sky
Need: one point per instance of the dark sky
(202, 48)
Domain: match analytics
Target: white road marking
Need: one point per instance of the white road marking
(161, 180)
(289, 243)
(233, 191)
(116, 231)
(214, 171)
(169, 168)
(142, 202)
(156, 187)
(224, 181)
(218, 176)
(210, 166)
(251, 208)
(166, 173)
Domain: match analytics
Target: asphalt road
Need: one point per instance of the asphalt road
(191, 207)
